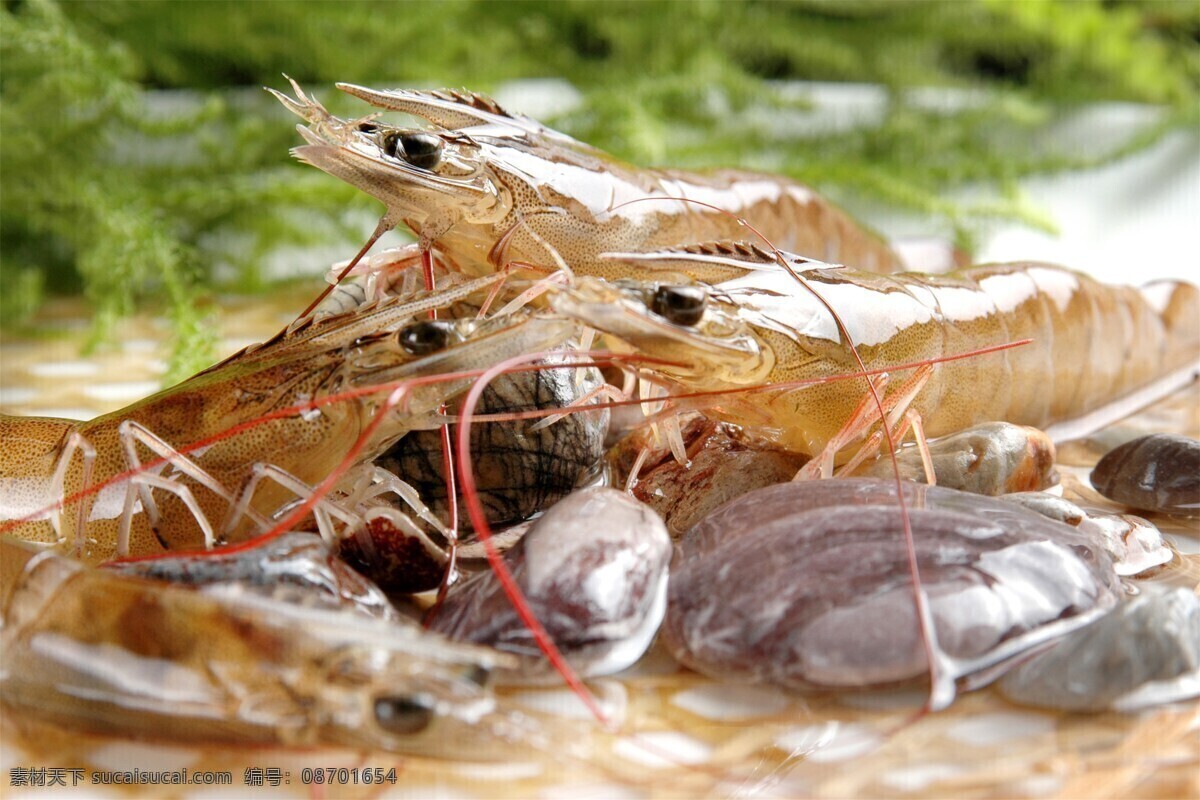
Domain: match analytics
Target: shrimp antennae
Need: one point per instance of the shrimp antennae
(447, 460)
(939, 694)
(483, 530)
(604, 358)
(385, 224)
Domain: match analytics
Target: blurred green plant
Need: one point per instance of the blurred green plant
(140, 159)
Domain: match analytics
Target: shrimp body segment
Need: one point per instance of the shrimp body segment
(491, 188)
(165, 507)
(1091, 343)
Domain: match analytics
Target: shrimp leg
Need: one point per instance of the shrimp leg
(76, 442)
(131, 433)
(895, 404)
(323, 510)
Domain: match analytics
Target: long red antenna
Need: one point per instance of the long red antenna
(483, 530)
(924, 618)
(385, 224)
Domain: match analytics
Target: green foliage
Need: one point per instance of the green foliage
(105, 195)
(129, 200)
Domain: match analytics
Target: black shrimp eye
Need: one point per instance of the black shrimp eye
(682, 305)
(368, 127)
(403, 715)
(422, 150)
(425, 337)
(391, 141)
(477, 674)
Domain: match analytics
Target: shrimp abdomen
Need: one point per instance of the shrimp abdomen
(1091, 343)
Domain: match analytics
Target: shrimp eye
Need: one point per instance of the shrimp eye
(477, 674)
(422, 150)
(403, 715)
(425, 337)
(682, 305)
(368, 127)
(391, 141)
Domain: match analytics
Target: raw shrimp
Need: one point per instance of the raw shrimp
(296, 566)
(279, 402)
(1091, 343)
(93, 649)
(490, 189)
(806, 585)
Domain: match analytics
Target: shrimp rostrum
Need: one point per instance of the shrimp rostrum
(206, 462)
(1090, 343)
(493, 189)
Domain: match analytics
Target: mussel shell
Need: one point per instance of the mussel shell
(594, 571)
(518, 471)
(807, 585)
(1160, 472)
(1152, 637)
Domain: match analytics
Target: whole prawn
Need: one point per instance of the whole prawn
(1091, 344)
(492, 189)
(266, 407)
(104, 651)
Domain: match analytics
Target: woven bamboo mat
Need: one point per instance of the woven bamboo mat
(681, 735)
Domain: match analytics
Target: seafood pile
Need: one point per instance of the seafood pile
(591, 408)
